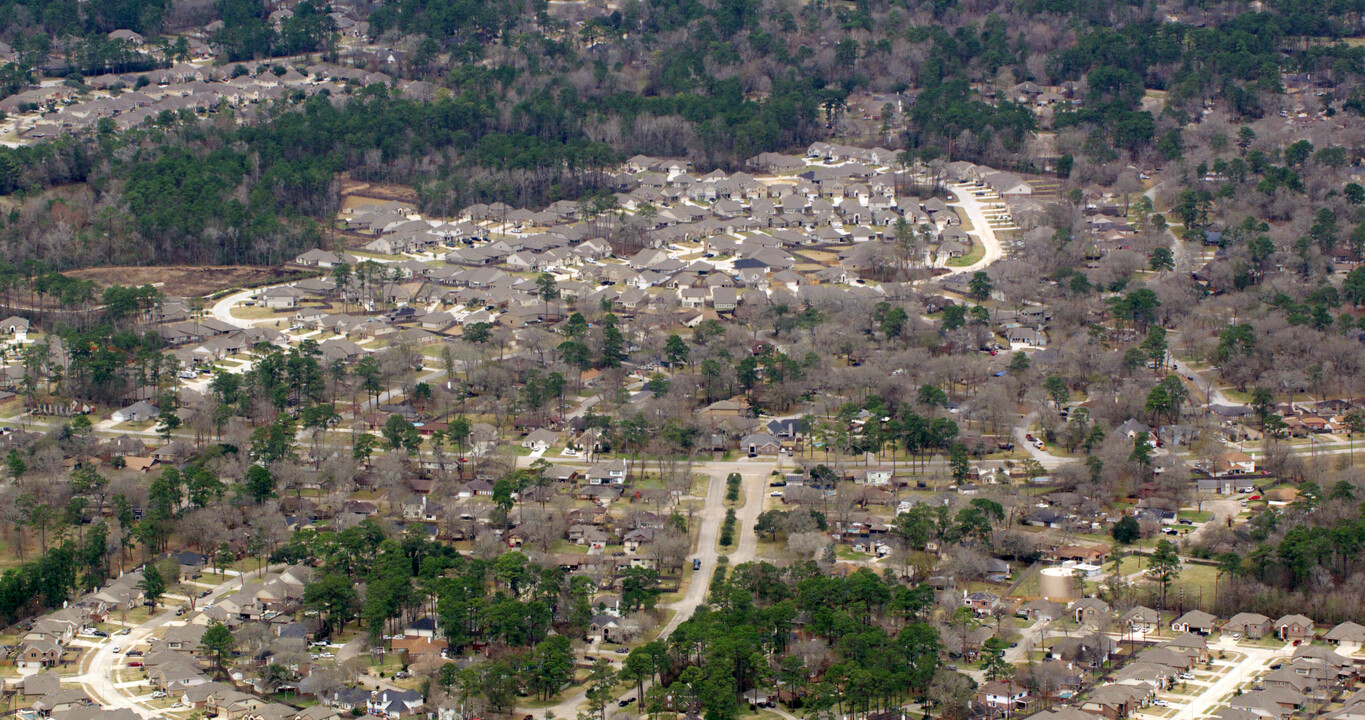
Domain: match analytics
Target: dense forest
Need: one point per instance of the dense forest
(546, 106)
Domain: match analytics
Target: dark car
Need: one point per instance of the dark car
(696, 563)
(625, 702)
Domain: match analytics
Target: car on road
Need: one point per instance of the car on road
(696, 563)
(626, 701)
(118, 649)
(206, 593)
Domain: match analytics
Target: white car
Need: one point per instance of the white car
(118, 649)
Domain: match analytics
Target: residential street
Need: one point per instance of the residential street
(101, 665)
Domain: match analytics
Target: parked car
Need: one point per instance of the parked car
(696, 563)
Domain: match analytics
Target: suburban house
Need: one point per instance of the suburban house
(1141, 619)
(38, 654)
(1346, 633)
(1196, 621)
(140, 411)
(1000, 699)
(1233, 463)
(760, 444)
(1089, 611)
(1250, 625)
(1294, 627)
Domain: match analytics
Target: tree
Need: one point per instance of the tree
(601, 680)
(259, 484)
(333, 598)
(362, 447)
(993, 659)
(1163, 566)
(954, 317)
(980, 285)
(1126, 531)
(218, 643)
(401, 434)
(153, 585)
(1057, 389)
(1019, 362)
(675, 350)
(550, 666)
(1353, 288)
(1162, 259)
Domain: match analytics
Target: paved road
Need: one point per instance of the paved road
(222, 310)
(1044, 458)
(1210, 390)
(981, 228)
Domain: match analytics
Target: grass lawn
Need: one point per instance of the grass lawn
(1195, 579)
(1199, 517)
(973, 257)
(253, 313)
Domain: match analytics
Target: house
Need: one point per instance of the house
(282, 297)
(395, 703)
(1088, 554)
(1000, 699)
(140, 411)
(1196, 621)
(540, 440)
(1193, 644)
(1089, 611)
(15, 327)
(38, 654)
(1234, 463)
(760, 444)
(602, 628)
(347, 698)
(1115, 701)
(608, 473)
(637, 538)
(981, 602)
(1044, 610)
(38, 685)
(1294, 627)
(1249, 625)
(1347, 633)
(1141, 619)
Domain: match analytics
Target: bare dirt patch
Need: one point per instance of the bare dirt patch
(189, 280)
(378, 191)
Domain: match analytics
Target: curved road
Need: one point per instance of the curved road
(981, 228)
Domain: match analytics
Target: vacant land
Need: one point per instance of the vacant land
(189, 280)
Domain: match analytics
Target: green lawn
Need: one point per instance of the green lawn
(973, 257)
